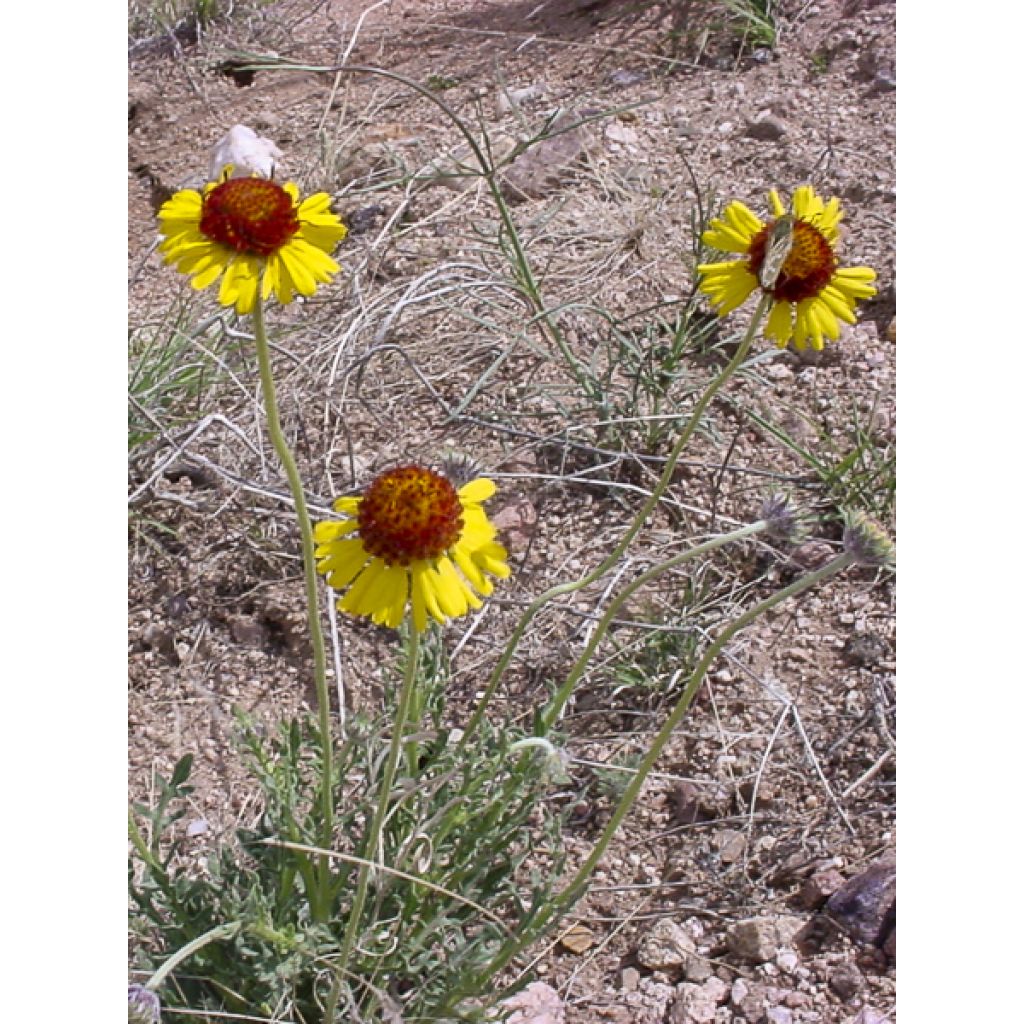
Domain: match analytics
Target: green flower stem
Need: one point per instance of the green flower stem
(627, 538)
(223, 931)
(573, 890)
(369, 851)
(564, 692)
(319, 900)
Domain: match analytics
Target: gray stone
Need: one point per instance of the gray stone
(515, 98)
(767, 128)
(692, 1005)
(697, 969)
(247, 630)
(865, 906)
(758, 939)
(740, 990)
(786, 960)
(538, 1003)
(750, 1001)
(623, 77)
(621, 134)
(869, 1015)
(865, 649)
(845, 981)
(716, 989)
(879, 68)
(665, 947)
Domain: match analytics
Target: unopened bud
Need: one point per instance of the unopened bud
(143, 1006)
(866, 541)
(780, 517)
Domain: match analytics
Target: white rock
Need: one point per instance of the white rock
(692, 1006)
(787, 961)
(538, 1003)
(247, 152)
(621, 133)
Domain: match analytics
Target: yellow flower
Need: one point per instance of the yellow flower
(412, 538)
(248, 230)
(793, 259)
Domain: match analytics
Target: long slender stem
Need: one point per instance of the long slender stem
(571, 892)
(318, 901)
(641, 517)
(405, 701)
(564, 692)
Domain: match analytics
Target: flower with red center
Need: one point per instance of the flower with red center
(251, 233)
(791, 258)
(412, 539)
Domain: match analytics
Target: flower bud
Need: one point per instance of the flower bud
(780, 517)
(143, 1006)
(867, 542)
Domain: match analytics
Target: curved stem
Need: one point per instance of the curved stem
(564, 692)
(648, 507)
(572, 891)
(223, 931)
(383, 798)
(319, 900)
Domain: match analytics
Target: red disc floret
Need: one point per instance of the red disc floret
(807, 269)
(409, 514)
(251, 215)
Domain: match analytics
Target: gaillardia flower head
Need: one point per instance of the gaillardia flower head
(412, 539)
(793, 259)
(251, 233)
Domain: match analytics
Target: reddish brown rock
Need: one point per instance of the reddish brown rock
(819, 887)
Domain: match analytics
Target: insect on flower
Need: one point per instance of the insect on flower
(792, 259)
(780, 243)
